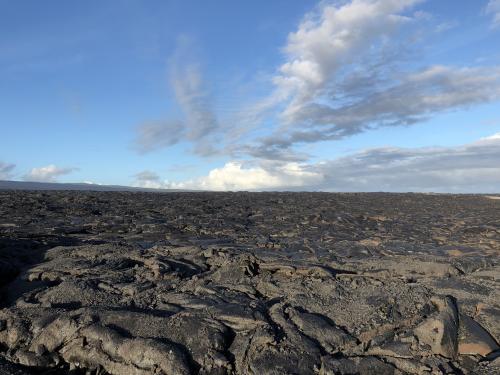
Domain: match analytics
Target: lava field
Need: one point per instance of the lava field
(249, 283)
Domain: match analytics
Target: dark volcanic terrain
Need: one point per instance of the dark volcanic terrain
(249, 283)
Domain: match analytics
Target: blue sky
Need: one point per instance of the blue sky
(361, 95)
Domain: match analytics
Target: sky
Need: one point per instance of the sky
(360, 95)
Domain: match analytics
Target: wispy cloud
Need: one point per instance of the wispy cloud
(410, 99)
(49, 173)
(6, 170)
(493, 9)
(199, 123)
(446, 25)
(154, 135)
(194, 98)
(147, 176)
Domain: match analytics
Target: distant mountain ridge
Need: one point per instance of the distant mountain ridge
(28, 185)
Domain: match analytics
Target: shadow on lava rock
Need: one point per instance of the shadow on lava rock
(19, 254)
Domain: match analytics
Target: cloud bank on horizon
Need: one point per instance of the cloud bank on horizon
(346, 70)
(473, 167)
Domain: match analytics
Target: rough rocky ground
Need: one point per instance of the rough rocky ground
(249, 283)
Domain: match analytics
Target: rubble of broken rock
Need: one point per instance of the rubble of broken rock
(249, 283)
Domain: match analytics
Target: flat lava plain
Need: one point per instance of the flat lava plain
(249, 283)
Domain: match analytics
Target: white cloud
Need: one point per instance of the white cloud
(330, 39)
(6, 170)
(493, 137)
(236, 176)
(91, 182)
(493, 8)
(48, 173)
(149, 184)
(348, 70)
